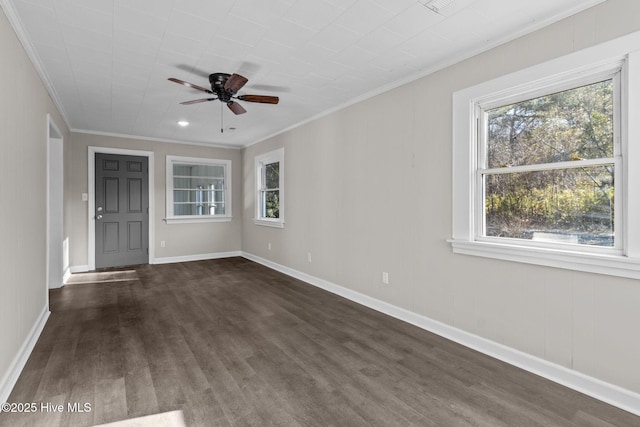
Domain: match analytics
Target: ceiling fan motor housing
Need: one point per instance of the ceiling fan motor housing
(218, 80)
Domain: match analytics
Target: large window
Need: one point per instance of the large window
(269, 169)
(198, 189)
(547, 167)
(546, 162)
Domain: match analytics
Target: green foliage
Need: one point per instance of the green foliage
(272, 204)
(272, 193)
(567, 126)
(548, 208)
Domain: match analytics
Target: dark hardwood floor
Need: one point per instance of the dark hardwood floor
(232, 343)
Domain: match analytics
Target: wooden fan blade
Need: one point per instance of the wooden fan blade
(264, 99)
(236, 108)
(195, 101)
(187, 84)
(234, 83)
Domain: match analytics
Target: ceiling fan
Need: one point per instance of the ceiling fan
(225, 87)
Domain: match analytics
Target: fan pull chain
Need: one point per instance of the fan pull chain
(221, 124)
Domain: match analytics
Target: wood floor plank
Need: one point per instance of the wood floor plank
(110, 400)
(232, 343)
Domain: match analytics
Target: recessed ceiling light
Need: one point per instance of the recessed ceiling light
(183, 123)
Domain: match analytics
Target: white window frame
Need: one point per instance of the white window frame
(490, 102)
(579, 67)
(182, 219)
(276, 156)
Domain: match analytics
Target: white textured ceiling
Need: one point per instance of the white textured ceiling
(106, 62)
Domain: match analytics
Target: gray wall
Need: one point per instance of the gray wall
(24, 105)
(182, 240)
(368, 189)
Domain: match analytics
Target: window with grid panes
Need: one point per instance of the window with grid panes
(198, 189)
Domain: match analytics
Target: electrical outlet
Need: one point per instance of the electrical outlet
(162, 243)
(309, 256)
(385, 277)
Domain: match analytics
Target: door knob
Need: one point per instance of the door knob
(98, 216)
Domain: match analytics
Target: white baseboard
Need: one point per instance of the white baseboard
(198, 257)
(11, 377)
(601, 390)
(66, 275)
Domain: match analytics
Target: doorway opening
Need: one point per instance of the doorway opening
(93, 213)
(57, 256)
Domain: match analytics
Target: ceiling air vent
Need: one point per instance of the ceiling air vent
(436, 5)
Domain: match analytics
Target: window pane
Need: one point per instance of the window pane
(215, 171)
(198, 189)
(216, 208)
(271, 204)
(566, 205)
(217, 183)
(198, 209)
(272, 175)
(200, 196)
(570, 125)
(185, 209)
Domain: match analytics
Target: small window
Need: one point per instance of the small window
(270, 189)
(198, 189)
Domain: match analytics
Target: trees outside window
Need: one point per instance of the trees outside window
(546, 163)
(269, 169)
(271, 190)
(548, 168)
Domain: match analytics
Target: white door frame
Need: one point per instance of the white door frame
(92, 198)
(56, 250)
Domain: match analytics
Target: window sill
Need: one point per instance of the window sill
(269, 223)
(197, 219)
(609, 264)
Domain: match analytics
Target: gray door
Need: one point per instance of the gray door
(122, 210)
